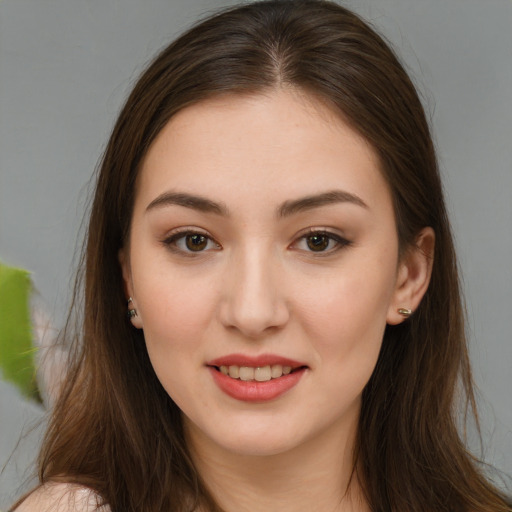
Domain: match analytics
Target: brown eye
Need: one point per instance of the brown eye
(190, 243)
(318, 242)
(321, 242)
(196, 242)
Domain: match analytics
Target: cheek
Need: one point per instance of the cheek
(176, 310)
(346, 316)
(346, 331)
(175, 318)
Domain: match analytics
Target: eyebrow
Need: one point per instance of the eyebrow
(287, 209)
(194, 202)
(316, 201)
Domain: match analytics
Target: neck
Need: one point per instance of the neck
(318, 475)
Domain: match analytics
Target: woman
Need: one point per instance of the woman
(270, 217)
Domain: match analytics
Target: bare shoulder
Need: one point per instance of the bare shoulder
(58, 497)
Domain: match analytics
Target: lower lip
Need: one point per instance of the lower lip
(254, 391)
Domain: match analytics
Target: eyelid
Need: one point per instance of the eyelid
(169, 241)
(340, 240)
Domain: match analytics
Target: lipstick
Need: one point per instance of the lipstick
(254, 390)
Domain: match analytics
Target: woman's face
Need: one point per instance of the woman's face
(263, 264)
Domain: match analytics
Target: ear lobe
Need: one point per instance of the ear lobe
(413, 276)
(128, 289)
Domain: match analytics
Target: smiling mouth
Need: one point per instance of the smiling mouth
(258, 373)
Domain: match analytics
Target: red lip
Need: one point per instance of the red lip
(253, 391)
(254, 361)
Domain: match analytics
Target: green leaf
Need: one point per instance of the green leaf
(17, 352)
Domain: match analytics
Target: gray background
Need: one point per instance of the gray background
(66, 65)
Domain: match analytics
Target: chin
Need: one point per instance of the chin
(260, 446)
(277, 443)
(248, 438)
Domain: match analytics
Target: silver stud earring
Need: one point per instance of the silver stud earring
(131, 310)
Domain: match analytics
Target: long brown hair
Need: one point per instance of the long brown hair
(114, 427)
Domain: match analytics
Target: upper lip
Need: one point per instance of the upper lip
(254, 361)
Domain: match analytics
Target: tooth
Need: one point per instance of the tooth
(287, 370)
(234, 372)
(277, 371)
(262, 374)
(224, 370)
(246, 373)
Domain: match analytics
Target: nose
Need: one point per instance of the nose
(254, 301)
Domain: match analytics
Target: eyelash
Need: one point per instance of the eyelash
(339, 241)
(171, 242)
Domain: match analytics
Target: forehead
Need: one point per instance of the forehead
(269, 144)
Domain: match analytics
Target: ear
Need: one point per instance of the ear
(413, 276)
(129, 292)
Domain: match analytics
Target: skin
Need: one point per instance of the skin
(257, 287)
